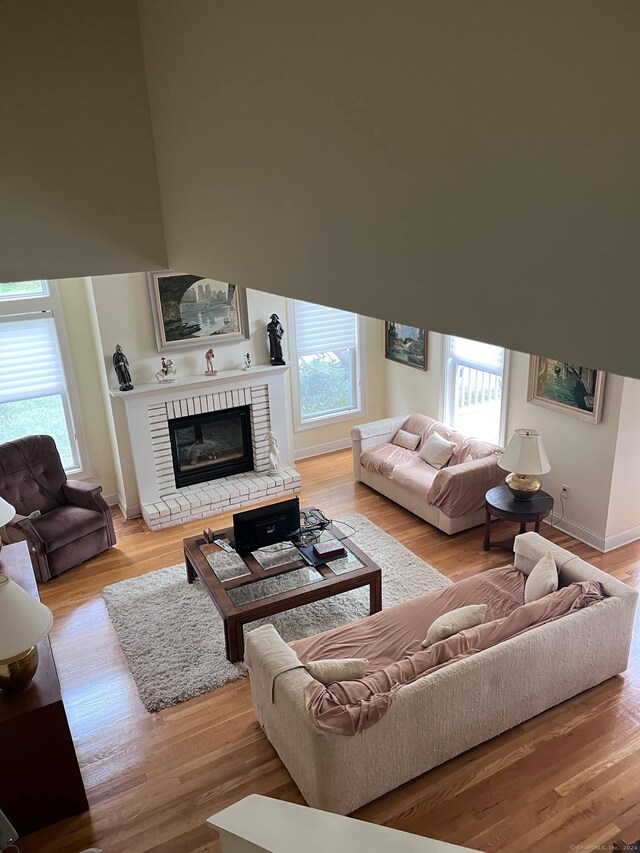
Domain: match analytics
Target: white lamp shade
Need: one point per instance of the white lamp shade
(525, 453)
(23, 619)
(7, 512)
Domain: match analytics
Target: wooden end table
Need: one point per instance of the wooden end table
(500, 503)
(243, 588)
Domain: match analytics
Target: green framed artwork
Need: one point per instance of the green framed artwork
(567, 387)
(406, 345)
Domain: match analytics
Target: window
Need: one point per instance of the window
(474, 398)
(327, 379)
(34, 395)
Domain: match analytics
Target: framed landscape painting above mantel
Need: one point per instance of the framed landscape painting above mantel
(189, 309)
(570, 388)
(405, 344)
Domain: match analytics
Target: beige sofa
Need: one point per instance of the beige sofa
(447, 711)
(452, 499)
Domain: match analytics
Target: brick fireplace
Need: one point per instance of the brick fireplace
(152, 409)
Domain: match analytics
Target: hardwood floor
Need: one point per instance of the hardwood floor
(570, 776)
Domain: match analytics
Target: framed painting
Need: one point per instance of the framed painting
(406, 345)
(566, 387)
(190, 309)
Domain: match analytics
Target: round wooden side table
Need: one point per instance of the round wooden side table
(500, 503)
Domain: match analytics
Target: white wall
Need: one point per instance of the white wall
(469, 164)
(79, 191)
(623, 522)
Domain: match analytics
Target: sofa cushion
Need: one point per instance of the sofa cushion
(437, 451)
(421, 425)
(416, 477)
(66, 524)
(338, 669)
(454, 621)
(386, 458)
(542, 580)
(408, 440)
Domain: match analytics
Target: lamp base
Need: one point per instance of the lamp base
(17, 674)
(523, 486)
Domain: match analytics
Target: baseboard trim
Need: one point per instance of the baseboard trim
(625, 537)
(577, 531)
(129, 510)
(321, 449)
(111, 500)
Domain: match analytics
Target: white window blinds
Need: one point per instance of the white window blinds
(30, 363)
(478, 355)
(321, 329)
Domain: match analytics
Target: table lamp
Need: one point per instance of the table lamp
(525, 457)
(23, 622)
(7, 512)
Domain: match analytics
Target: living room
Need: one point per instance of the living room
(297, 314)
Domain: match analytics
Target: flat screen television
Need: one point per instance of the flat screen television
(257, 528)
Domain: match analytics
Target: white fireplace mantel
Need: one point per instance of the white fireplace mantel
(148, 410)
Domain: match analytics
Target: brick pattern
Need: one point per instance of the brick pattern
(218, 496)
(224, 494)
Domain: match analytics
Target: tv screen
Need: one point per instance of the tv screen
(266, 525)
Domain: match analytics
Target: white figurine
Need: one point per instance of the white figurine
(209, 356)
(167, 372)
(247, 362)
(274, 453)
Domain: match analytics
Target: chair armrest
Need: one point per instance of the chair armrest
(19, 529)
(85, 495)
(461, 489)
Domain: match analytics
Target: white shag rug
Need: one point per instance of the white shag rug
(172, 634)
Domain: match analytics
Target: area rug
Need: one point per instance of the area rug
(172, 635)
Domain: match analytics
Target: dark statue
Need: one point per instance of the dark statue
(121, 367)
(275, 333)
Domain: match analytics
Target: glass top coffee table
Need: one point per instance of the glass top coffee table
(274, 579)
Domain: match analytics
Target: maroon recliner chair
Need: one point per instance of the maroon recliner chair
(74, 523)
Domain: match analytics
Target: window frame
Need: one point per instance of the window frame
(21, 307)
(449, 364)
(300, 425)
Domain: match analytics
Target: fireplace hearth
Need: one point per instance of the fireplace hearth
(211, 445)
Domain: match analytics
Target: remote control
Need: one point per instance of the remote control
(222, 544)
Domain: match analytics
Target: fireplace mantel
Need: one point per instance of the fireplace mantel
(148, 410)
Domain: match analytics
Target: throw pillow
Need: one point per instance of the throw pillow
(340, 669)
(437, 451)
(408, 440)
(542, 580)
(453, 622)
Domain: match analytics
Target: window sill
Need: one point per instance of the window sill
(327, 420)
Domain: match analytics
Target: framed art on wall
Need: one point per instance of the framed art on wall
(570, 388)
(406, 345)
(190, 309)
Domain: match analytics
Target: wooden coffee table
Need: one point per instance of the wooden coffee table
(245, 588)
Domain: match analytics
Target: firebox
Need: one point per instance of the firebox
(212, 445)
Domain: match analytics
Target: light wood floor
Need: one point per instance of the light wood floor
(568, 777)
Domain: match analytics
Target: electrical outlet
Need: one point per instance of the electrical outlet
(372, 411)
(565, 490)
(95, 472)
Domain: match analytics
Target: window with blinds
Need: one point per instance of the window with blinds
(474, 394)
(33, 389)
(327, 362)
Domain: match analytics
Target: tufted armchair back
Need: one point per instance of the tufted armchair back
(31, 474)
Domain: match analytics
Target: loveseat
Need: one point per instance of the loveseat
(451, 498)
(441, 714)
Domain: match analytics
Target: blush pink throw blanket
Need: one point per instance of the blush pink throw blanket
(349, 707)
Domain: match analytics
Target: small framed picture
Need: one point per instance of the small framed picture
(569, 388)
(406, 345)
(189, 309)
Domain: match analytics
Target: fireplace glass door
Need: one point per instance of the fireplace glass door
(212, 445)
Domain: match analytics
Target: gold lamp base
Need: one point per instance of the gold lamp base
(16, 674)
(523, 486)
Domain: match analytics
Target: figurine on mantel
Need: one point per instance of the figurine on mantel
(121, 367)
(208, 357)
(274, 453)
(167, 372)
(247, 362)
(275, 332)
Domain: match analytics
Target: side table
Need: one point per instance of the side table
(500, 503)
